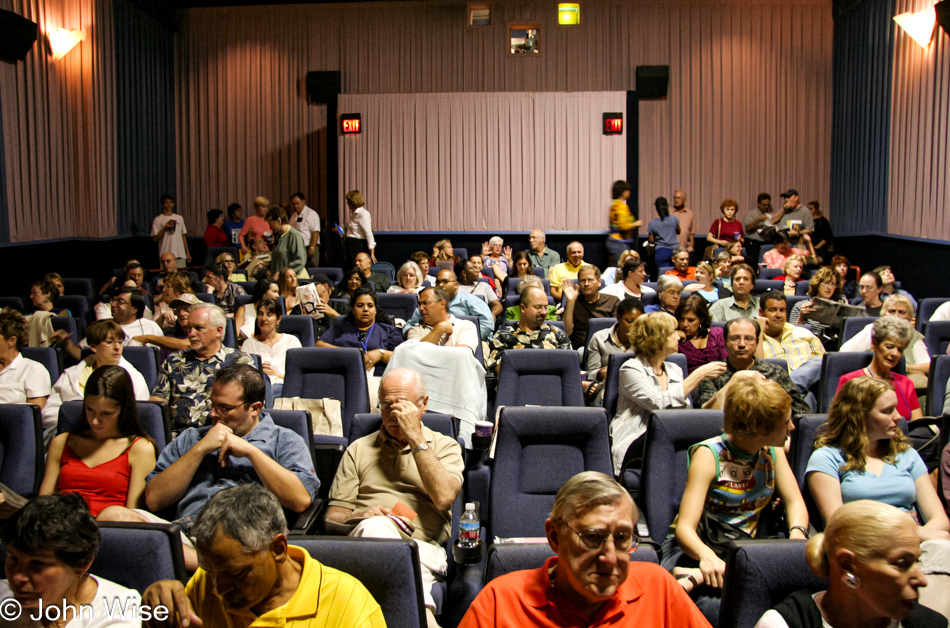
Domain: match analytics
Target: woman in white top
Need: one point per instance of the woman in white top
(408, 280)
(869, 556)
(703, 286)
(51, 543)
(270, 344)
(105, 338)
(633, 273)
(615, 273)
(359, 231)
(246, 316)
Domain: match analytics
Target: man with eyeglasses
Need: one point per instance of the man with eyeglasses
(401, 481)
(242, 445)
(532, 331)
(128, 309)
(591, 581)
(439, 326)
(584, 302)
(460, 304)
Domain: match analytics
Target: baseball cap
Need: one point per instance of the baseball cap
(320, 278)
(185, 299)
(789, 192)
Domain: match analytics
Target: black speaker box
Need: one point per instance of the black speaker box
(943, 15)
(19, 35)
(322, 86)
(653, 81)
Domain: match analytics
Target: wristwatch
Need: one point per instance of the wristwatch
(420, 447)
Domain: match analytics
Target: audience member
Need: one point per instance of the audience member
(728, 228)
(176, 285)
(741, 304)
(699, 341)
(42, 295)
(215, 235)
(468, 282)
(439, 326)
(496, 257)
(225, 292)
(824, 284)
(541, 256)
(622, 223)
(758, 225)
(177, 339)
(128, 310)
(443, 251)
(916, 356)
(168, 229)
(513, 313)
(250, 574)
(105, 457)
(704, 286)
(606, 343)
(245, 318)
(823, 237)
(422, 259)
(255, 226)
(234, 223)
(289, 248)
(633, 274)
(185, 377)
(532, 331)
(776, 258)
(105, 338)
(476, 261)
(21, 380)
(567, 269)
(889, 338)
(842, 266)
(687, 221)
(869, 555)
(793, 269)
(614, 273)
(871, 289)
(364, 263)
(238, 444)
(794, 219)
(864, 454)
(723, 265)
(287, 285)
(681, 268)
(404, 464)
(256, 259)
(887, 279)
(669, 290)
(732, 480)
(588, 583)
(307, 222)
(231, 265)
(50, 546)
(359, 231)
(409, 279)
(649, 383)
(664, 231)
(269, 343)
(461, 304)
(520, 268)
(57, 280)
(742, 340)
(585, 302)
(366, 327)
(800, 348)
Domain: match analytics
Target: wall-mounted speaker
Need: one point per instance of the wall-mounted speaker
(943, 15)
(653, 81)
(323, 86)
(19, 35)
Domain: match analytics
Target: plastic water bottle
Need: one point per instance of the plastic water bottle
(469, 527)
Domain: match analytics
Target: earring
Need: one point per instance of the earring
(851, 580)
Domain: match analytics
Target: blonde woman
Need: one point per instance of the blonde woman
(359, 229)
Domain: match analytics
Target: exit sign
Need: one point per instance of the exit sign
(351, 123)
(613, 123)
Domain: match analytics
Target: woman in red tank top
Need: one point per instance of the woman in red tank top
(106, 457)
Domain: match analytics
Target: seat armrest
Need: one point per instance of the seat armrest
(307, 521)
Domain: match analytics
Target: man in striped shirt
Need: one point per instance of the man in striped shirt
(800, 348)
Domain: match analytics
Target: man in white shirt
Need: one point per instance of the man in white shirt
(168, 229)
(21, 380)
(438, 326)
(128, 307)
(307, 222)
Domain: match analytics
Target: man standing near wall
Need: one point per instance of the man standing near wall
(794, 217)
(306, 221)
(687, 234)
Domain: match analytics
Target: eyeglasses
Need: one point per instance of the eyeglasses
(222, 410)
(595, 540)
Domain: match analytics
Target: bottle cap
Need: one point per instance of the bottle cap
(470, 506)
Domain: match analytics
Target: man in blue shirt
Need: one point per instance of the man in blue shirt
(461, 304)
(242, 445)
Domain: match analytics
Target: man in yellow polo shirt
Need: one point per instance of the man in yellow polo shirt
(249, 576)
(566, 270)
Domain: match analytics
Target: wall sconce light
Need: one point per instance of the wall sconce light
(63, 40)
(920, 25)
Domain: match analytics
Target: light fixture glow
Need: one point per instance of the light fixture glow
(568, 13)
(920, 26)
(63, 40)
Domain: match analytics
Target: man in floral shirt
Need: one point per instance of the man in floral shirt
(185, 378)
(531, 333)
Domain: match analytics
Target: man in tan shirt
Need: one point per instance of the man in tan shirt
(401, 481)
(687, 220)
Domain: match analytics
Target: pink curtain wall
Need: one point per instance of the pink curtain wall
(919, 182)
(58, 125)
(749, 106)
(483, 161)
